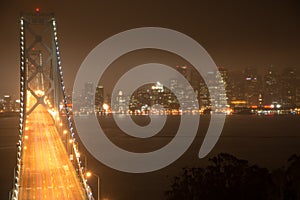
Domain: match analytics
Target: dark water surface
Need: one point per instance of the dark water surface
(8, 153)
(264, 140)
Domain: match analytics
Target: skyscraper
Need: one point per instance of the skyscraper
(271, 87)
(252, 86)
(288, 87)
(99, 98)
(88, 97)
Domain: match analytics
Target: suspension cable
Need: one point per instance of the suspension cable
(70, 125)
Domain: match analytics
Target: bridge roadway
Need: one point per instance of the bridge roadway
(46, 172)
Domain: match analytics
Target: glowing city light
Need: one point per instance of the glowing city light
(105, 106)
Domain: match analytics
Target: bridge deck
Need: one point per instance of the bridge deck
(47, 172)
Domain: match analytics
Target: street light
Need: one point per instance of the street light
(89, 174)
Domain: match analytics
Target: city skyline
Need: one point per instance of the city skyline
(266, 84)
(247, 89)
(237, 35)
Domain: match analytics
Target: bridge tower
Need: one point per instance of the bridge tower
(41, 83)
(40, 61)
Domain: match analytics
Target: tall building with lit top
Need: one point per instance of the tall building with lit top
(99, 98)
(271, 86)
(8, 103)
(120, 102)
(252, 86)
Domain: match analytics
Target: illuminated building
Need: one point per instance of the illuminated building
(297, 100)
(186, 71)
(203, 98)
(271, 91)
(217, 89)
(252, 86)
(288, 87)
(8, 103)
(148, 96)
(120, 102)
(89, 96)
(99, 98)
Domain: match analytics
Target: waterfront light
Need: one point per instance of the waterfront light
(105, 106)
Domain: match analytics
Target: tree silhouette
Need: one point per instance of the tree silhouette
(227, 177)
(292, 179)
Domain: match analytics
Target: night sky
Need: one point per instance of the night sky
(236, 34)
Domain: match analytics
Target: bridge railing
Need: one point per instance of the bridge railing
(16, 183)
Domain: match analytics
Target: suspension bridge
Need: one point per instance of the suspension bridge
(48, 161)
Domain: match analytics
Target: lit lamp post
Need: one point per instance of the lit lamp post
(89, 174)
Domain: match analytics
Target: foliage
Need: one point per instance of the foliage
(227, 177)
